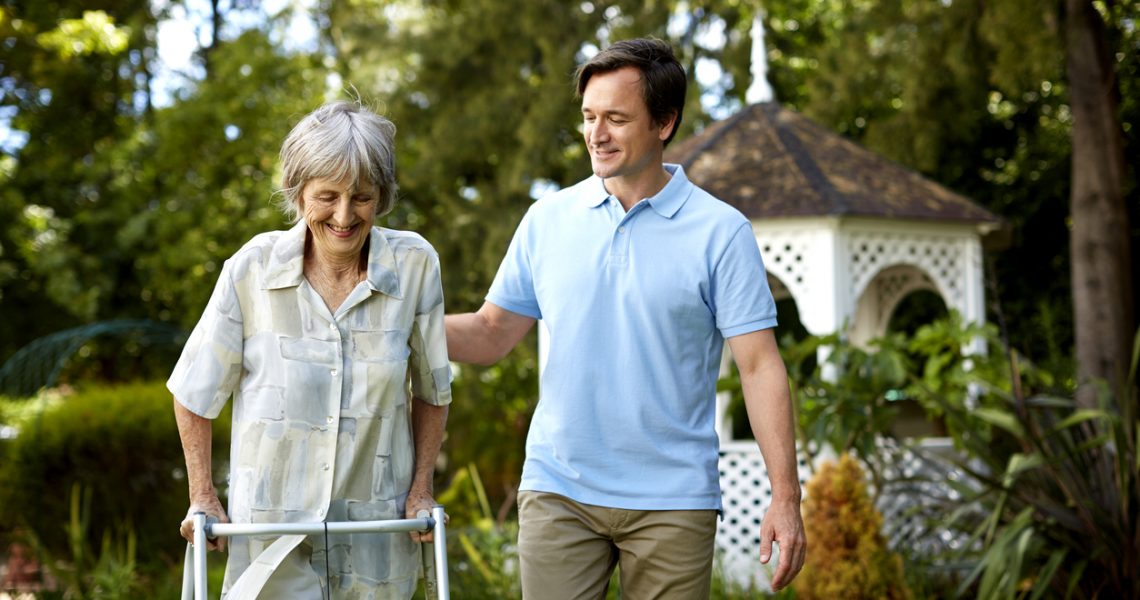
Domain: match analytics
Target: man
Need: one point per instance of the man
(640, 276)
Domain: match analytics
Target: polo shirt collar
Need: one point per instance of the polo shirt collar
(287, 260)
(665, 203)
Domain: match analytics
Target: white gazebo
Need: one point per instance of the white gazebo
(846, 234)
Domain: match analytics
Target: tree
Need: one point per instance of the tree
(1101, 255)
(70, 83)
(113, 207)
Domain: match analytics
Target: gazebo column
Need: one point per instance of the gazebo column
(974, 288)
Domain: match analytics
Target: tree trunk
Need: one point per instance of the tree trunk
(1101, 259)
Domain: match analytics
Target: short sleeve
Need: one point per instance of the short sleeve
(513, 287)
(428, 366)
(740, 293)
(207, 373)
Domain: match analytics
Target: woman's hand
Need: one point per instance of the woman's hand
(420, 500)
(213, 508)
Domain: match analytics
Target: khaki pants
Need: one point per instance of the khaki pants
(568, 550)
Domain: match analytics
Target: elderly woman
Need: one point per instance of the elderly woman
(319, 333)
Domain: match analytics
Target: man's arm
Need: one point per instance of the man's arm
(768, 402)
(485, 336)
(196, 433)
(428, 421)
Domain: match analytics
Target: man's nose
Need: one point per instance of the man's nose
(598, 133)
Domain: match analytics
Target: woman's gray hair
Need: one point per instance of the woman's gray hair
(337, 141)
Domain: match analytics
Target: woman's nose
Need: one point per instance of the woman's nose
(343, 211)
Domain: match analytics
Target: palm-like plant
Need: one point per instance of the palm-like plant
(1053, 495)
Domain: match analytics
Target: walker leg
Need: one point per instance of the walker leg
(188, 573)
(431, 587)
(199, 556)
(440, 543)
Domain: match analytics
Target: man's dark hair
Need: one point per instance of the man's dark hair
(663, 80)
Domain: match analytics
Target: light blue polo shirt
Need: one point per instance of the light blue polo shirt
(638, 306)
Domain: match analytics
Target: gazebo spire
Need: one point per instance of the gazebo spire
(760, 90)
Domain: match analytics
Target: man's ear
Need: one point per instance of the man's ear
(667, 127)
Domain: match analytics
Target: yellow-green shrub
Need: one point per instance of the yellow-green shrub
(847, 553)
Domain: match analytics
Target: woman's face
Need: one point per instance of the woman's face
(339, 215)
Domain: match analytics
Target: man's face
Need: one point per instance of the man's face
(623, 140)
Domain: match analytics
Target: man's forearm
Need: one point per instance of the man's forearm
(768, 402)
(467, 339)
(484, 337)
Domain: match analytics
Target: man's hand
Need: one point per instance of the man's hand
(213, 508)
(784, 525)
(420, 500)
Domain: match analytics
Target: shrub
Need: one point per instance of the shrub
(847, 553)
(119, 442)
(1052, 496)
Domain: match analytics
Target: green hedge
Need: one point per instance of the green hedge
(121, 443)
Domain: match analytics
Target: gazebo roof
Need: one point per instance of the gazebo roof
(769, 161)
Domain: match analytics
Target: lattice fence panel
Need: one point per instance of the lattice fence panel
(942, 257)
(788, 256)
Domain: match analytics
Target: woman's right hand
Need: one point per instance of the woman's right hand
(212, 507)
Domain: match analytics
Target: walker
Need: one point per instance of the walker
(434, 554)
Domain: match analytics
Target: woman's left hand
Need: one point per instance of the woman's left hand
(420, 500)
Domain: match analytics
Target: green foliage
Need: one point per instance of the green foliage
(94, 33)
(117, 208)
(84, 575)
(483, 552)
(1058, 487)
(847, 554)
(850, 411)
(850, 399)
(487, 424)
(120, 445)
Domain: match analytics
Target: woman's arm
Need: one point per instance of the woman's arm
(196, 433)
(428, 422)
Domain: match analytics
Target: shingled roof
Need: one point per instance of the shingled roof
(769, 162)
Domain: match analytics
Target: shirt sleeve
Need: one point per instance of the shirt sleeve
(428, 366)
(513, 287)
(741, 297)
(207, 373)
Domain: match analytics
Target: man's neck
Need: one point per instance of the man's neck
(630, 191)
